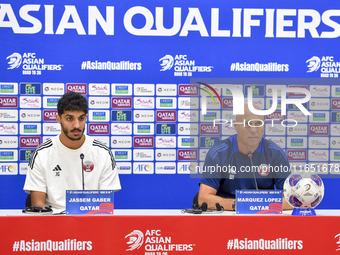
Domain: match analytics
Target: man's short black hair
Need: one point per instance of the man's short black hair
(72, 101)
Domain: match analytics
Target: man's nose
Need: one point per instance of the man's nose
(76, 124)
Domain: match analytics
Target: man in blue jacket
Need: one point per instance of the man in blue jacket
(243, 161)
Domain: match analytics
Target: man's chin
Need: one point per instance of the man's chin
(75, 137)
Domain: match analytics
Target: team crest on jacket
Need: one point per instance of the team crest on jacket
(263, 170)
(88, 166)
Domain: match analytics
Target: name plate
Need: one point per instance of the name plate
(81, 202)
(259, 201)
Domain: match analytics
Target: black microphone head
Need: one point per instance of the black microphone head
(250, 154)
(82, 156)
(204, 207)
(218, 207)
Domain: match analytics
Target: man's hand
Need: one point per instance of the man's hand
(208, 194)
(38, 198)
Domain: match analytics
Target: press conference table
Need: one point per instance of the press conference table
(166, 232)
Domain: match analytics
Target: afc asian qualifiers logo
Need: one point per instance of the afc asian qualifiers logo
(135, 241)
(313, 64)
(14, 60)
(167, 62)
(88, 166)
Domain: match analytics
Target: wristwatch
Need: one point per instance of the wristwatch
(233, 205)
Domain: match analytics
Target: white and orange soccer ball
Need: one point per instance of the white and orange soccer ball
(303, 190)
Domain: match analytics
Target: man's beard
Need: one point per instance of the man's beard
(66, 133)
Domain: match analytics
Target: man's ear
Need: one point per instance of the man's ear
(57, 118)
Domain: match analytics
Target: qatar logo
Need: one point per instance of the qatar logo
(263, 170)
(167, 62)
(135, 240)
(313, 64)
(14, 60)
(88, 166)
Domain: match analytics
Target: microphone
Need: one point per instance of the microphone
(82, 169)
(250, 156)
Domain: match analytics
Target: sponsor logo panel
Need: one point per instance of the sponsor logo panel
(8, 142)
(144, 116)
(8, 155)
(187, 141)
(143, 129)
(30, 88)
(8, 128)
(9, 169)
(99, 89)
(165, 141)
(121, 141)
(124, 168)
(53, 89)
(165, 168)
(30, 115)
(143, 142)
(121, 115)
(97, 115)
(51, 129)
(166, 89)
(121, 128)
(8, 115)
(77, 87)
(318, 142)
(121, 89)
(8, 102)
(99, 129)
(187, 167)
(29, 141)
(30, 128)
(297, 155)
(143, 155)
(166, 129)
(187, 129)
(144, 89)
(280, 140)
(50, 102)
(122, 154)
(165, 154)
(99, 102)
(143, 168)
(144, 102)
(50, 115)
(8, 88)
(318, 155)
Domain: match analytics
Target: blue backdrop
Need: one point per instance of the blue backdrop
(145, 52)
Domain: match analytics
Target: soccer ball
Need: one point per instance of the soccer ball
(304, 190)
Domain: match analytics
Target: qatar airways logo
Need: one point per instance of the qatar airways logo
(297, 154)
(50, 115)
(166, 115)
(99, 129)
(30, 141)
(121, 102)
(144, 141)
(11, 102)
(187, 155)
(80, 88)
(188, 90)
